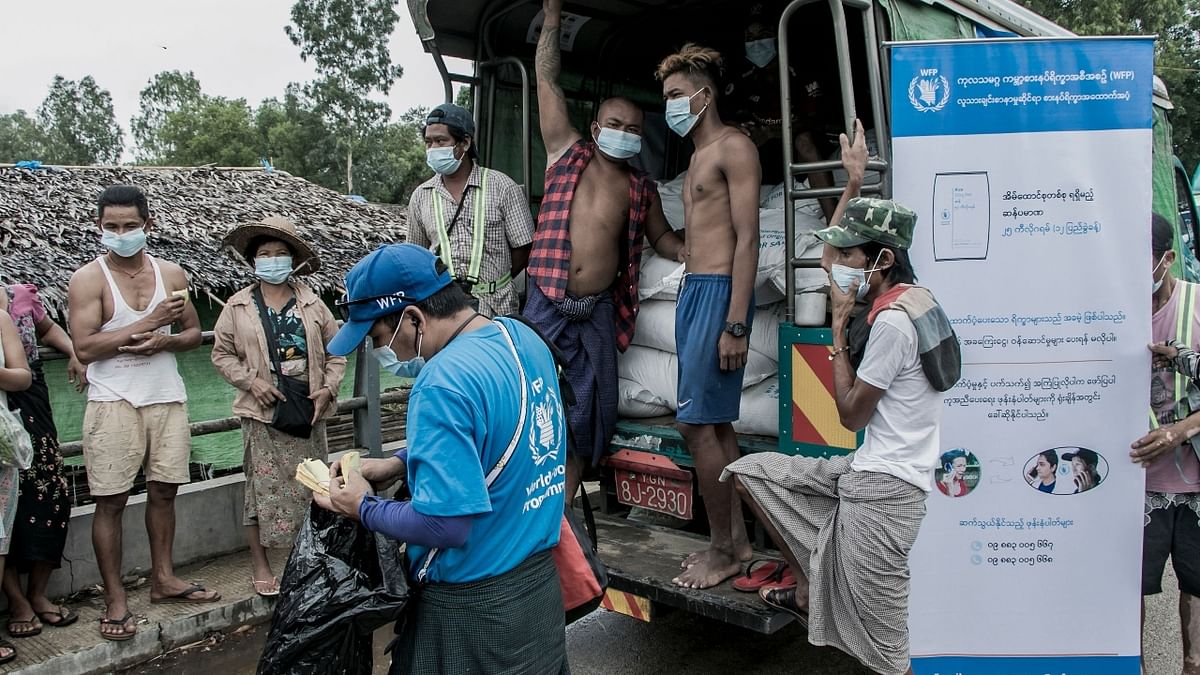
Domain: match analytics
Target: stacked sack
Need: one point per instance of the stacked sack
(649, 369)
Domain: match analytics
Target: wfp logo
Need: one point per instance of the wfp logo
(929, 91)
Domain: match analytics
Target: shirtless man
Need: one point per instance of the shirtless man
(596, 214)
(716, 300)
(122, 307)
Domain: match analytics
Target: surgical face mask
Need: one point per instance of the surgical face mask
(679, 113)
(273, 270)
(1158, 281)
(760, 52)
(845, 277)
(442, 160)
(124, 245)
(392, 363)
(618, 144)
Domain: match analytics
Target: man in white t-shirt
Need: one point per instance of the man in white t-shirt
(846, 525)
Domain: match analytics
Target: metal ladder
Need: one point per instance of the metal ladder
(849, 110)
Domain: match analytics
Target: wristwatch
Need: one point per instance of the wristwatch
(736, 328)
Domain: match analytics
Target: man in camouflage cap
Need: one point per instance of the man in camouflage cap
(846, 525)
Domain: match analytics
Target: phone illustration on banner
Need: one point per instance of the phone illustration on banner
(962, 216)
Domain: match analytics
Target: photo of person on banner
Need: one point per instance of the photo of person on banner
(846, 525)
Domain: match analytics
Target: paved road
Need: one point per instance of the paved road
(606, 643)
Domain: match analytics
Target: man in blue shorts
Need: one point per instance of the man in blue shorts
(716, 300)
(486, 444)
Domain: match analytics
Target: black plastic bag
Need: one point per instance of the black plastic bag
(341, 583)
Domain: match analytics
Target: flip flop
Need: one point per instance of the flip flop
(760, 573)
(784, 599)
(65, 617)
(182, 596)
(270, 592)
(125, 633)
(5, 644)
(33, 630)
(785, 580)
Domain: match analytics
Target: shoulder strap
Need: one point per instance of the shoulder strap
(269, 330)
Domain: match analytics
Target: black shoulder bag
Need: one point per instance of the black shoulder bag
(293, 415)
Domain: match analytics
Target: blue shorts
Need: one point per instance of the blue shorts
(707, 394)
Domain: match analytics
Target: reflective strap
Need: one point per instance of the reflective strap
(478, 229)
(489, 287)
(1185, 326)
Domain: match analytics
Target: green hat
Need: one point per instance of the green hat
(868, 219)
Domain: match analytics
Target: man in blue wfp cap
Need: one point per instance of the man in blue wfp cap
(484, 465)
(846, 525)
(477, 219)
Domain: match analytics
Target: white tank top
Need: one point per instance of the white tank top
(139, 380)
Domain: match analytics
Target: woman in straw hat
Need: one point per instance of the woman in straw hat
(276, 309)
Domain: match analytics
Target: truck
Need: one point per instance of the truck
(611, 47)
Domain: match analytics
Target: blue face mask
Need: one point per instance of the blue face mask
(618, 144)
(1158, 281)
(760, 52)
(679, 114)
(124, 245)
(392, 363)
(273, 270)
(442, 160)
(845, 277)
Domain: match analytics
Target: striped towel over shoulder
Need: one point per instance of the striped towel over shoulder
(941, 357)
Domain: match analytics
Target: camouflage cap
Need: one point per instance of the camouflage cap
(868, 219)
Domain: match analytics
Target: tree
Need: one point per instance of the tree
(463, 97)
(296, 140)
(20, 138)
(215, 130)
(78, 123)
(167, 92)
(347, 41)
(1177, 53)
(395, 163)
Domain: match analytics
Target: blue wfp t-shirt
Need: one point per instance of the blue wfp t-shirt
(462, 414)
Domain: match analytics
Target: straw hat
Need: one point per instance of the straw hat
(274, 227)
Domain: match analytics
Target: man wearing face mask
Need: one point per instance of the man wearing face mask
(596, 215)
(484, 465)
(475, 218)
(1169, 450)
(716, 299)
(846, 525)
(753, 96)
(122, 309)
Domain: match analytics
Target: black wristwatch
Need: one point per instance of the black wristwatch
(736, 329)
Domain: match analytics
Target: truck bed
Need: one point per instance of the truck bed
(670, 444)
(642, 560)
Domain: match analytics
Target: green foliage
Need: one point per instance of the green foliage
(215, 130)
(396, 164)
(77, 122)
(1177, 53)
(295, 139)
(20, 138)
(347, 41)
(165, 93)
(463, 97)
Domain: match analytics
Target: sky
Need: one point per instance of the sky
(236, 48)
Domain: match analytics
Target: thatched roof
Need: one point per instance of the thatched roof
(47, 229)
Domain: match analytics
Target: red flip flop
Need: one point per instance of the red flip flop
(760, 573)
(785, 580)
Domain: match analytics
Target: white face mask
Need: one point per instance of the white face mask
(845, 277)
(618, 144)
(1158, 281)
(760, 52)
(680, 118)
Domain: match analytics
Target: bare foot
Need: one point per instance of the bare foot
(711, 568)
(741, 544)
(692, 559)
(175, 588)
(118, 623)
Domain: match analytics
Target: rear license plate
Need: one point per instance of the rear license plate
(656, 493)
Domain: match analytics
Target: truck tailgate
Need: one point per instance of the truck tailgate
(642, 560)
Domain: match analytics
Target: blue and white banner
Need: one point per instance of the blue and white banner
(1028, 164)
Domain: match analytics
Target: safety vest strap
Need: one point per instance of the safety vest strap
(1185, 326)
(478, 229)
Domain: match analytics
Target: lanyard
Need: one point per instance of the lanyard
(478, 228)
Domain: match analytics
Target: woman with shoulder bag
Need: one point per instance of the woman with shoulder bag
(14, 376)
(270, 344)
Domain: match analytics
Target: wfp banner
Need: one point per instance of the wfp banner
(1028, 165)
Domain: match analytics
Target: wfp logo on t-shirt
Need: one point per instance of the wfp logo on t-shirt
(546, 432)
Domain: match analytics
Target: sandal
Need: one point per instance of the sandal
(5, 644)
(784, 599)
(64, 617)
(35, 627)
(271, 587)
(785, 580)
(125, 634)
(760, 573)
(184, 596)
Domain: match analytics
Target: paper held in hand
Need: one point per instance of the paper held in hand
(314, 474)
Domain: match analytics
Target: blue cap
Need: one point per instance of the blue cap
(389, 279)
